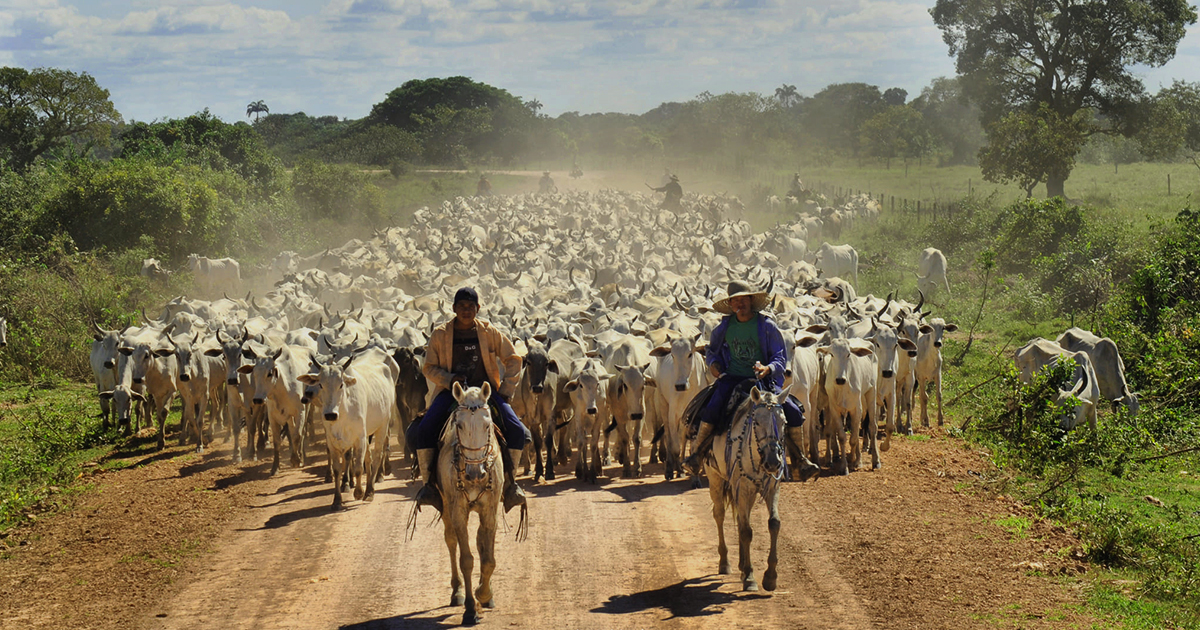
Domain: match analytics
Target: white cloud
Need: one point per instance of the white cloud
(173, 57)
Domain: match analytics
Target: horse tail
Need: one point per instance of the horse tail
(658, 434)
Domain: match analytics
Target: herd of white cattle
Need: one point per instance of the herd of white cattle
(606, 296)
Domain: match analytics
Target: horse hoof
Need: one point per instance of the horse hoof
(458, 599)
(750, 586)
(724, 569)
(768, 582)
(470, 619)
(368, 497)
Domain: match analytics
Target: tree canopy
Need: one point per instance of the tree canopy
(1060, 56)
(43, 109)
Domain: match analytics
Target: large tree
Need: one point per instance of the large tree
(44, 109)
(835, 115)
(1060, 56)
(956, 127)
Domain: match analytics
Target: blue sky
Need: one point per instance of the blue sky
(171, 58)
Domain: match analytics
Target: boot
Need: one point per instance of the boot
(513, 494)
(427, 495)
(694, 463)
(806, 468)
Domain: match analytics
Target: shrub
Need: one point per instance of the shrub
(343, 193)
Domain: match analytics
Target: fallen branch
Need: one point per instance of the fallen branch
(973, 388)
(1186, 450)
(1058, 483)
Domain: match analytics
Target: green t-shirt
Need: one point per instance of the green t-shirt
(744, 348)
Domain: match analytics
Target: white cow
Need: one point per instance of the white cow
(678, 377)
(215, 276)
(1106, 362)
(359, 405)
(931, 272)
(275, 376)
(850, 387)
(151, 367)
(806, 375)
(588, 393)
(627, 358)
(929, 364)
(1041, 353)
(840, 261)
(888, 348)
(200, 386)
(103, 360)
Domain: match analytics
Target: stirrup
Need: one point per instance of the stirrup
(513, 496)
(430, 496)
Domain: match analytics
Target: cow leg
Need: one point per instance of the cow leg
(854, 435)
(923, 393)
(338, 471)
(871, 440)
(538, 470)
(635, 442)
(580, 457)
(359, 459)
(457, 595)
(162, 425)
(773, 525)
(275, 438)
(937, 384)
(294, 443)
(235, 428)
(375, 458)
(485, 542)
(838, 442)
(550, 433)
(745, 537)
(716, 491)
(105, 413)
(597, 467)
(201, 408)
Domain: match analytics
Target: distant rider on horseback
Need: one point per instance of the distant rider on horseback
(483, 188)
(546, 184)
(746, 348)
(467, 350)
(672, 193)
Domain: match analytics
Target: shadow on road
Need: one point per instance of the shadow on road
(413, 621)
(697, 597)
(287, 518)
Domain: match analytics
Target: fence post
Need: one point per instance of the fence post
(1168, 184)
(918, 211)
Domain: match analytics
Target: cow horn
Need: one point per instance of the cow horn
(144, 318)
(325, 338)
(277, 353)
(921, 302)
(195, 337)
(219, 340)
(98, 328)
(342, 327)
(771, 286)
(247, 296)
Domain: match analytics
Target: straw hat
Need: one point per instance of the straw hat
(737, 288)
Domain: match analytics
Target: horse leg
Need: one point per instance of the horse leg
(716, 490)
(773, 525)
(745, 536)
(548, 429)
(457, 596)
(466, 564)
(485, 542)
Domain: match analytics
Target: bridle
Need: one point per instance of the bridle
(765, 443)
(464, 455)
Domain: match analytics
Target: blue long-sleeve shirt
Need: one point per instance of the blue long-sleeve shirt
(769, 339)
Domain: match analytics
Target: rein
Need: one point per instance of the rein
(736, 461)
(463, 454)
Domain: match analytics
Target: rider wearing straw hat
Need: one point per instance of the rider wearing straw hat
(746, 348)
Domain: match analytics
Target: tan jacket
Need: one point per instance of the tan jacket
(494, 347)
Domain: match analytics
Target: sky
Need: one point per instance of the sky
(171, 58)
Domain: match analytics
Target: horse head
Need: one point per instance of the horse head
(766, 418)
(473, 430)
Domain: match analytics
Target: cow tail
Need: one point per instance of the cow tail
(658, 434)
(611, 427)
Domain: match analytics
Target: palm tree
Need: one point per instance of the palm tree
(787, 95)
(534, 106)
(256, 108)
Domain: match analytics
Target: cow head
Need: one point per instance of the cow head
(935, 328)
(190, 358)
(887, 346)
(840, 353)
(262, 370)
(104, 348)
(123, 398)
(231, 349)
(675, 362)
(585, 390)
(538, 365)
(629, 385)
(331, 379)
(1074, 402)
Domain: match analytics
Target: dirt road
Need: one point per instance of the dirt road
(898, 548)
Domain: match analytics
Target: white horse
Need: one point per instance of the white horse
(471, 479)
(746, 462)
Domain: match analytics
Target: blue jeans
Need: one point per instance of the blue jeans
(425, 434)
(714, 411)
